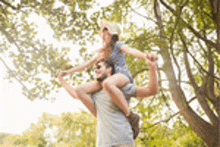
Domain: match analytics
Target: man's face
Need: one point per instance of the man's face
(101, 72)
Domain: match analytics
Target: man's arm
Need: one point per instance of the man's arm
(86, 100)
(153, 87)
(69, 89)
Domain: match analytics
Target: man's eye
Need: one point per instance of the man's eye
(98, 67)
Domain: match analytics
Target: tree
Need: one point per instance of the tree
(79, 129)
(186, 35)
(70, 129)
(194, 43)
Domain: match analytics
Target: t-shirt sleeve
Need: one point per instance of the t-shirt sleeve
(119, 44)
(130, 90)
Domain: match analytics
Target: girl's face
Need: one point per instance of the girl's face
(106, 36)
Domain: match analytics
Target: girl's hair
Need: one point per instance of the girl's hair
(108, 50)
(114, 39)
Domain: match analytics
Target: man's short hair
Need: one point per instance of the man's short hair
(108, 63)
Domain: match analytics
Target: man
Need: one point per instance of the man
(113, 128)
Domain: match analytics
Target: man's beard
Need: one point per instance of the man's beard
(102, 78)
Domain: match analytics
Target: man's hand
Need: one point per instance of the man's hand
(152, 60)
(153, 86)
(67, 86)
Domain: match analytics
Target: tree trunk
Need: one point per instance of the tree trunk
(218, 111)
(216, 17)
(203, 129)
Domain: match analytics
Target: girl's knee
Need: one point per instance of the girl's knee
(117, 80)
(121, 80)
(106, 84)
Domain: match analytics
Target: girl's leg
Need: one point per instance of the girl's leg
(83, 92)
(112, 85)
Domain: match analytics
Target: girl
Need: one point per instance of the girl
(113, 49)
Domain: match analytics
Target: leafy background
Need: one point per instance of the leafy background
(185, 35)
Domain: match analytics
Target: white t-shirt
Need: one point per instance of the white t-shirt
(113, 127)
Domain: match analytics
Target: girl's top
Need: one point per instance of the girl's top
(119, 60)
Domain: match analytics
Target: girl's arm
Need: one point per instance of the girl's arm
(82, 66)
(133, 52)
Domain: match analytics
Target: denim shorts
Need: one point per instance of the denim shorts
(124, 145)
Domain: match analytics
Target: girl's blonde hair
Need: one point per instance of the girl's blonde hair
(113, 28)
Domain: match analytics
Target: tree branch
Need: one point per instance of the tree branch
(172, 116)
(171, 46)
(209, 79)
(190, 27)
(189, 73)
(200, 66)
(204, 104)
(17, 79)
(141, 14)
(200, 95)
(10, 38)
(8, 4)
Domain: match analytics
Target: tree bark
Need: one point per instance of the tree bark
(203, 129)
(216, 18)
(8, 4)
(200, 91)
(218, 111)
